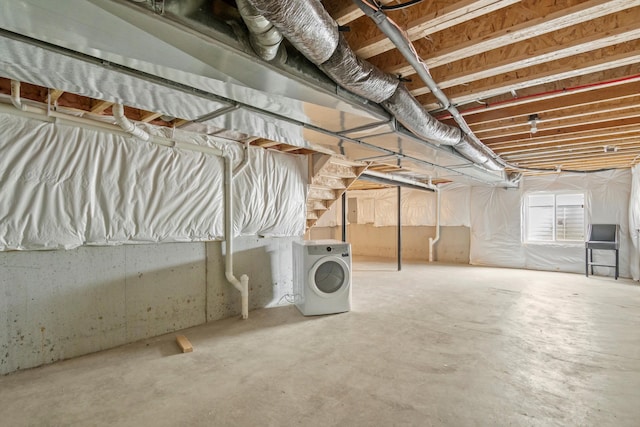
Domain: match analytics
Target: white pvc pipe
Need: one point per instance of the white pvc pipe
(245, 159)
(126, 125)
(433, 241)
(15, 96)
(17, 102)
(241, 285)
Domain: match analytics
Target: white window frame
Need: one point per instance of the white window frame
(555, 194)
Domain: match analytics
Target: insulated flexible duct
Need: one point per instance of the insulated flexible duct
(265, 38)
(358, 76)
(305, 23)
(408, 111)
(311, 30)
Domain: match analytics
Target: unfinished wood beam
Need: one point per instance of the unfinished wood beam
(556, 145)
(579, 140)
(580, 111)
(100, 106)
(575, 162)
(576, 154)
(54, 95)
(575, 66)
(565, 136)
(180, 122)
(424, 20)
(465, 42)
(267, 143)
(148, 116)
(345, 12)
(593, 119)
(599, 34)
(556, 101)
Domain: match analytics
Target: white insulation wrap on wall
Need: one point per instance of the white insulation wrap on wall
(634, 223)
(64, 186)
(496, 216)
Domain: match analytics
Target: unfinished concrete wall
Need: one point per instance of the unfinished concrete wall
(368, 240)
(267, 261)
(60, 304)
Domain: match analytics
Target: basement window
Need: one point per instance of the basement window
(554, 218)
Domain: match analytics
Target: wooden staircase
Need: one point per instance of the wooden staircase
(329, 178)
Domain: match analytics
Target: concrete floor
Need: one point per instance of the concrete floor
(433, 345)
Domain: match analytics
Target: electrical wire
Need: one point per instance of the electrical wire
(400, 6)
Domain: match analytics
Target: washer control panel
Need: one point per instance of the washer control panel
(341, 249)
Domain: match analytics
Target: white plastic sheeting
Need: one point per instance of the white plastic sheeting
(64, 186)
(496, 232)
(634, 223)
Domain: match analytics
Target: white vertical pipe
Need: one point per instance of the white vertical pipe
(241, 285)
(17, 102)
(126, 125)
(123, 123)
(15, 95)
(433, 241)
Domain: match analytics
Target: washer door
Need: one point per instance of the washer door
(330, 276)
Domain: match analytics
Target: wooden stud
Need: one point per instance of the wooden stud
(101, 106)
(148, 116)
(556, 101)
(54, 95)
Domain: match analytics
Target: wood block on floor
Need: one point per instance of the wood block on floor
(184, 344)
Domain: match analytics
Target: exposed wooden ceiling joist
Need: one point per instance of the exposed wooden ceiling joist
(586, 64)
(586, 37)
(623, 89)
(628, 138)
(524, 21)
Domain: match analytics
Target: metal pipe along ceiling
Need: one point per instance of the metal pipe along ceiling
(310, 29)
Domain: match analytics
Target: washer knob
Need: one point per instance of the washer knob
(329, 249)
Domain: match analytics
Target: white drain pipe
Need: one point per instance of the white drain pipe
(125, 124)
(17, 101)
(241, 285)
(433, 241)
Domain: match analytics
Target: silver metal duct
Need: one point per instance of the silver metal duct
(265, 38)
(408, 111)
(358, 76)
(306, 24)
(468, 145)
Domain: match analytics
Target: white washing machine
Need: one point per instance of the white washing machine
(322, 276)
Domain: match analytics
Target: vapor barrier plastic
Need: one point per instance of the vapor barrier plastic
(634, 223)
(65, 186)
(270, 195)
(496, 222)
(358, 76)
(315, 33)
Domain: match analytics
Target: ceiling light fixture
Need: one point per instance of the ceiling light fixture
(533, 121)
